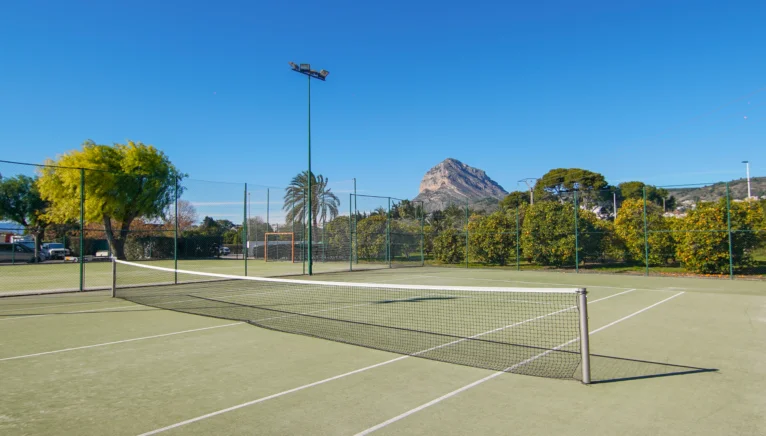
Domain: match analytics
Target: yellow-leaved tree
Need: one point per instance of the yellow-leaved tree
(122, 182)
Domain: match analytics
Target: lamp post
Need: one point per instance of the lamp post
(747, 169)
(321, 75)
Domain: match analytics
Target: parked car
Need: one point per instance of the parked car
(17, 253)
(225, 251)
(54, 250)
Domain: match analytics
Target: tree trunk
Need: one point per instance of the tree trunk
(117, 245)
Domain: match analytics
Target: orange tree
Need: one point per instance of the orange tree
(629, 227)
(548, 233)
(492, 238)
(703, 239)
(449, 246)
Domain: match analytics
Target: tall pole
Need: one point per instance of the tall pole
(646, 237)
(175, 237)
(577, 235)
(255, 238)
(82, 227)
(309, 183)
(355, 254)
(728, 225)
(267, 210)
(614, 199)
(244, 228)
(747, 168)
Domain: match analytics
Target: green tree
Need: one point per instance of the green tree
(492, 238)
(336, 236)
(124, 182)
(371, 238)
(635, 190)
(449, 246)
(548, 234)
(629, 227)
(560, 183)
(20, 202)
(515, 199)
(703, 239)
(324, 203)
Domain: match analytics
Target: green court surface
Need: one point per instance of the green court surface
(57, 276)
(672, 356)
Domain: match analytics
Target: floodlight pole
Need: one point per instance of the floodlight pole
(321, 75)
(747, 169)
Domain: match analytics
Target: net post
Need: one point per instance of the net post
(582, 295)
(114, 276)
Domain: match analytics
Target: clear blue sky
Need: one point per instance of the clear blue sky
(651, 90)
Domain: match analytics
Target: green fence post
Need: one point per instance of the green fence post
(646, 238)
(465, 227)
(518, 264)
(175, 237)
(244, 228)
(82, 228)
(422, 236)
(577, 235)
(350, 234)
(728, 223)
(388, 234)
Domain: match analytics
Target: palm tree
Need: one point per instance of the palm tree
(323, 202)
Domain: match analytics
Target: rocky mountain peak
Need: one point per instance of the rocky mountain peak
(453, 182)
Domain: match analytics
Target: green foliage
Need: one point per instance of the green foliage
(371, 238)
(629, 226)
(703, 239)
(337, 236)
(492, 238)
(405, 239)
(449, 246)
(548, 235)
(635, 191)
(514, 200)
(560, 181)
(20, 201)
(324, 203)
(124, 182)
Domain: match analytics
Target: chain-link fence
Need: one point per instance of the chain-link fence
(696, 230)
(62, 224)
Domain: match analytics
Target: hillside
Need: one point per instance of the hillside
(453, 182)
(737, 188)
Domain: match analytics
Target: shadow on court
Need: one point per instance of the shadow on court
(610, 369)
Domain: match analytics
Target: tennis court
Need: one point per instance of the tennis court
(669, 356)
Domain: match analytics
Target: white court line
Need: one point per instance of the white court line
(13, 318)
(48, 307)
(491, 376)
(300, 388)
(665, 289)
(118, 342)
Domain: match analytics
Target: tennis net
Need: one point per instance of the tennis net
(528, 331)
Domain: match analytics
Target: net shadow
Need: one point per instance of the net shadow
(611, 369)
